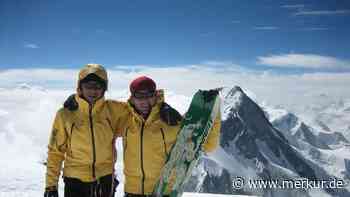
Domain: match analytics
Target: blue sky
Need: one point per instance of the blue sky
(283, 36)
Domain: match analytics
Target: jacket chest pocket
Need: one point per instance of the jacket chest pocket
(105, 125)
(132, 151)
(160, 143)
(103, 133)
(78, 139)
(131, 141)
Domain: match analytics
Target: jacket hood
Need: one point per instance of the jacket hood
(88, 69)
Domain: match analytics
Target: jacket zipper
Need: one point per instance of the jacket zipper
(70, 141)
(165, 148)
(125, 138)
(142, 169)
(93, 143)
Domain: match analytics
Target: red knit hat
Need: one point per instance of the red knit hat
(142, 83)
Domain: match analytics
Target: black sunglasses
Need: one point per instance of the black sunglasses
(142, 95)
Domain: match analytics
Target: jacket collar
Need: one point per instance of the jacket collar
(84, 106)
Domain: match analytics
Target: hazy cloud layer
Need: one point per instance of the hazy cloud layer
(265, 28)
(31, 46)
(315, 29)
(321, 12)
(185, 80)
(295, 6)
(311, 61)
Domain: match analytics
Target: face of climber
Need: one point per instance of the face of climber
(143, 101)
(92, 91)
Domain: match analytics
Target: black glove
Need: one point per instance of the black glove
(71, 104)
(51, 192)
(169, 115)
(210, 94)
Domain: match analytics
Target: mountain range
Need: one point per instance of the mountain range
(272, 144)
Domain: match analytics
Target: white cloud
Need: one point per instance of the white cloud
(216, 63)
(265, 28)
(296, 6)
(311, 61)
(38, 76)
(316, 29)
(31, 46)
(321, 12)
(220, 63)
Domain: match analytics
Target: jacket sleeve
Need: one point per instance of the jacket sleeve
(214, 135)
(56, 151)
(120, 115)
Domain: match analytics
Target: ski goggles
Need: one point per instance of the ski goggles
(144, 95)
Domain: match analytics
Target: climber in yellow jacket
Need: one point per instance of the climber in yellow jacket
(149, 135)
(83, 139)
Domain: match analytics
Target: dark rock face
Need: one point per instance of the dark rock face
(304, 132)
(322, 140)
(288, 122)
(333, 138)
(253, 125)
(323, 126)
(347, 167)
(232, 125)
(218, 184)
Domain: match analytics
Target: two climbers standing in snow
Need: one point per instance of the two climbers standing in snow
(85, 129)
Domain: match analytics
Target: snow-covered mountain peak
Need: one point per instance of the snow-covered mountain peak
(274, 143)
(283, 119)
(23, 86)
(28, 87)
(301, 131)
(232, 99)
(277, 113)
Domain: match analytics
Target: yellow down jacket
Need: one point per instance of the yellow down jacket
(147, 145)
(83, 139)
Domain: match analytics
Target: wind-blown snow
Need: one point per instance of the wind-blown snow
(230, 163)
